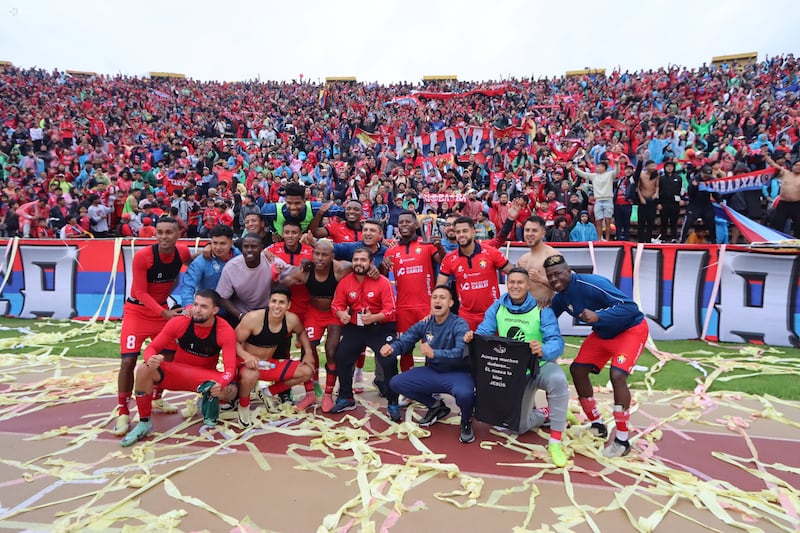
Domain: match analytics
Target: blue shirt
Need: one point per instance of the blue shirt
(202, 273)
(616, 311)
(446, 339)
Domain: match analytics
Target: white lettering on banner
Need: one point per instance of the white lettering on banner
(58, 300)
(740, 319)
(683, 320)
(449, 138)
(419, 145)
(477, 137)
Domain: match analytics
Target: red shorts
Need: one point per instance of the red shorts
(179, 376)
(622, 350)
(284, 369)
(472, 320)
(408, 317)
(317, 322)
(138, 324)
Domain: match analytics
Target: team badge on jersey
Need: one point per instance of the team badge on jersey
(429, 336)
(418, 250)
(352, 295)
(483, 263)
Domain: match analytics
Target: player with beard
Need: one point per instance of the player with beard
(517, 316)
(321, 278)
(196, 342)
(336, 230)
(412, 262)
(366, 308)
(264, 339)
(446, 368)
(155, 273)
(619, 332)
(533, 232)
(474, 266)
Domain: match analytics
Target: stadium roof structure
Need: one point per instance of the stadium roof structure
(585, 72)
(442, 77)
(330, 79)
(745, 58)
(81, 73)
(175, 75)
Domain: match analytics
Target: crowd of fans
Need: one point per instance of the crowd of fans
(103, 156)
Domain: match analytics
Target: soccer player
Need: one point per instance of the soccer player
(366, 308)
(337, 230)
(293, 252)
(412, 262)
(474, 266)
(198, 340)
(320, 278)
(516, 315)
(446, 369)
(264, 339)
(619, 332)
(145, 313)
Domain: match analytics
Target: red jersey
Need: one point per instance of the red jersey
(152, 282)
(412, 265)
(476, 276)
(340, 232)
(178, 329)
(372, 295)
(300, 296)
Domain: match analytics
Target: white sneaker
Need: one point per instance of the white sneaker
(244, 416)
(121, 425)
(617, 448)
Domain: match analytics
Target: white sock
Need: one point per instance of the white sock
(551, 440)
(622, 435)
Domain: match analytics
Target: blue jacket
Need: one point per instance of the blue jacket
(583, 232)
(552, 341)
(617, 312)
(202, 273)
(446, 339)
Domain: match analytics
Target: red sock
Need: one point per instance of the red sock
(589, 406)
(621, 418)
(244, 401)
(406, 362)
(277, 388)
(330, 380)
(555, 435)
(144, 403)
(122, 400)
(361, 360)
(309, 386)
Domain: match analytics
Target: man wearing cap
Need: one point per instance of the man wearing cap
(619, 332)
(472, 206)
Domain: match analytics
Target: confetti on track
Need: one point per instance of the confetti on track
(702, 460)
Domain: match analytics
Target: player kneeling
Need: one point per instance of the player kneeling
(198, 341)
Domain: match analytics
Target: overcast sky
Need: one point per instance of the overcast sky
(386, 41)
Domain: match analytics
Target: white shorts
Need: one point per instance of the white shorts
(603, 209)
